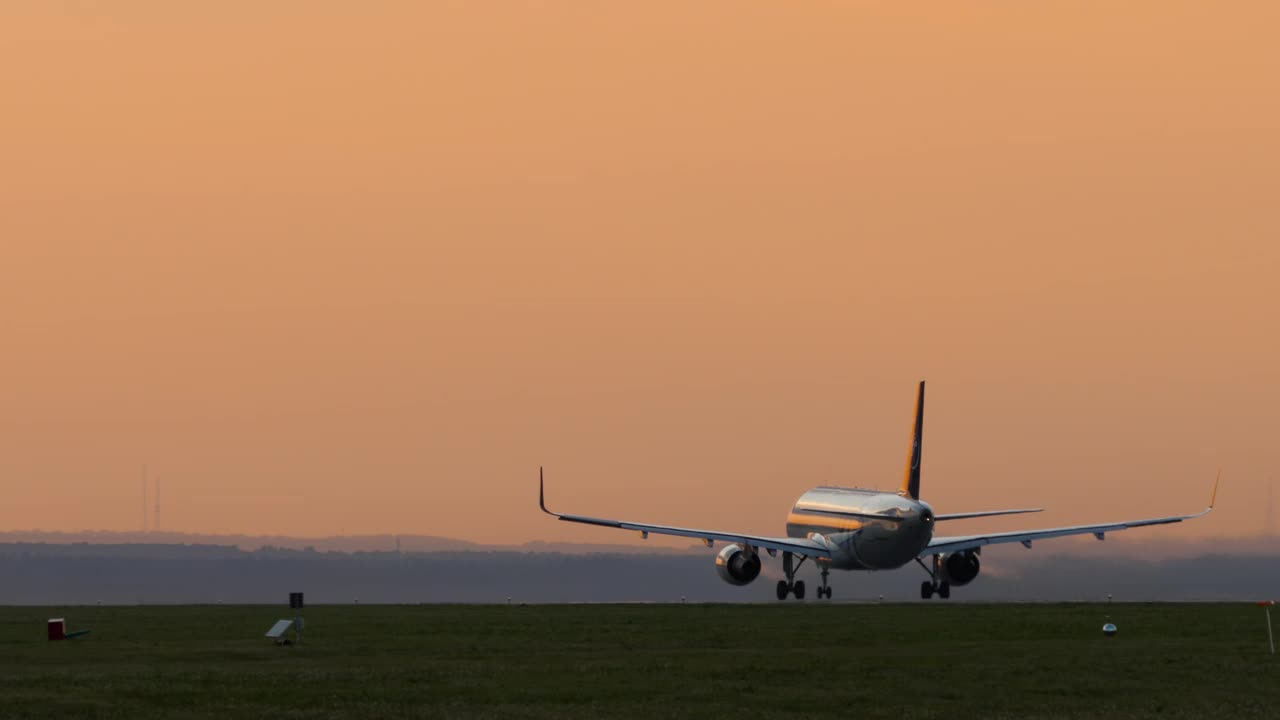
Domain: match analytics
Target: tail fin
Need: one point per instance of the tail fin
(911, 479)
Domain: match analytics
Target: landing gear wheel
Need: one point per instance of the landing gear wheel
(824, 592)
(926, 590)
(944, 590)
(798, 589)
(783, 589)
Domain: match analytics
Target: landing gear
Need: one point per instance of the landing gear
(933, 584)
(791, 586)
(824, 590)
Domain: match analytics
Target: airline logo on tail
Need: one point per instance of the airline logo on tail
(911, 479)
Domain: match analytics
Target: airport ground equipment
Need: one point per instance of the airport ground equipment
(295, 604)
(277, 632)
(57, 629)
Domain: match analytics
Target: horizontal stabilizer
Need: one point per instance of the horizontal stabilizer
(987, 513)
(828, 511)
(943, 545)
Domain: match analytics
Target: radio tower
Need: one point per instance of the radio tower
(156, 524)
(1271, 509)
(144, 498)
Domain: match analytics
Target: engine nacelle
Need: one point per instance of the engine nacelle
(961, 568)
(737, 565)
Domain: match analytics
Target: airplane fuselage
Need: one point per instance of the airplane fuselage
(858, 543)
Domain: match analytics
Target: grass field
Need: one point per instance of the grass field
(698, 661)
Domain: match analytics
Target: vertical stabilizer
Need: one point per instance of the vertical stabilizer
(911, 479)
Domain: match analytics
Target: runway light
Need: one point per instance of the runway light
(1109, 630)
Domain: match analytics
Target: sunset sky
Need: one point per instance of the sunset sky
(361, 267)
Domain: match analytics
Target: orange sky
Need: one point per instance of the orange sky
(361, 267)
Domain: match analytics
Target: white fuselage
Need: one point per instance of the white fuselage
(859, 543)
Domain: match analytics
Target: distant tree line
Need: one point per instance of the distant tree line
(32, 573)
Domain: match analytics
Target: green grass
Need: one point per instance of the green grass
(655, 661)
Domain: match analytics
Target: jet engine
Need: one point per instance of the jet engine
(738, 565)
(960, 568)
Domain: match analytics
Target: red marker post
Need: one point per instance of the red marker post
(1270, 638)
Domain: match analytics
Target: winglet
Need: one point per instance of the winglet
(542, 494)
(1213, 497)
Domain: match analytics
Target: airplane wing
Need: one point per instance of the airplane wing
(799, 546)
(968, 542)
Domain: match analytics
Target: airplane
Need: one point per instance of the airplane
(845, 528)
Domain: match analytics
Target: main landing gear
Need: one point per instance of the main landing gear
(791, 586)
(785, 588)
(933, 585)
